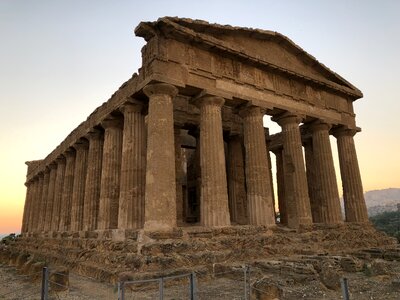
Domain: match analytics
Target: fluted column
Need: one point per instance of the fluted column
(214, 191)
(58, 191)
(93, 180)
(236, 181)
(325, 172)
(50, 197)
(33, 206)
(353, 194)
(271, 183)
(312, 181)
(160, 197)
(37, 204)
(110, 175)
(296, 190)
(280, 180)
(27, 207)
(258, 181)
(78, 190)
(65, 211)
(133, 168)
(179, 175)
(43, 202)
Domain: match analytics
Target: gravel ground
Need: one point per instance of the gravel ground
(362, 287)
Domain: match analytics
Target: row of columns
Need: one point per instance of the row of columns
(112, 180)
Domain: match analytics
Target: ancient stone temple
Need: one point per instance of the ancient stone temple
(182, 143)
(178, 158)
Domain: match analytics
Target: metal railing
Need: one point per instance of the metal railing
(235, 283)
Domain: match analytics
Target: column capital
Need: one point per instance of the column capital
(70, 152)
(160, 89)
(251, 110)
(111, 122)
(53, 166)
(318, 125)
(131, 106)
(60, 159)
(288, 118)
(344, 131)
(94, 134)
(81, 144)
(209, 100)
(46, 170)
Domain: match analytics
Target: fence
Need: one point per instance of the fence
(232, 284)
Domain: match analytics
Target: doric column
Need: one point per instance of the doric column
(236, 181)
(271, 183)
(312, 181)
(214, 191)
(43, 202)
(78, 190)
(93, 180)
(325, 172)
(37, 204)
(110, 175)
(296, 190)
(133, 168)
(179, 175)
(33, 206)
(58, 191)
(258, 181)
(280, 180)
(353, 194)
(27, 206)
(160, 197)
(65, 211)
(50, 197)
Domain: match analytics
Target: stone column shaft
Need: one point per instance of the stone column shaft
(50, 197)
(214, 196)
(65, 211)
(236, 181)
(93, 180)
(160, 196)
(110, 175)
(280, 180)
(179, 176)
(258, 181)
(133, 168)
(34, 204)
(78, 190)
(325, 173)
(43, 202)
(58, 191)
(312, 182)
(37, 204)
(27, 207)
(296, 190)
(353, 194)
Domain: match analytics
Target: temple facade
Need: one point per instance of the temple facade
(182, 142)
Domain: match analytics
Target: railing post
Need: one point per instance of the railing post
(121, 290)
(161, 288)
(192, 285)
(249, 280)
(44, 295)
(345, 288)
(245, 282)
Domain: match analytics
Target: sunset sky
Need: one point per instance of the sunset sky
(59, 60)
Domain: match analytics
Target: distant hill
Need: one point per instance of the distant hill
(379, 201)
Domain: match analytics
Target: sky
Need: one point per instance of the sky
(59, 60)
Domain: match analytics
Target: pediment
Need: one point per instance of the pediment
(264, 48)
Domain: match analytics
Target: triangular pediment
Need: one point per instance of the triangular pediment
(266, 48)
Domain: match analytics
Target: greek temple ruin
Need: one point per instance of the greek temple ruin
(182, 143)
